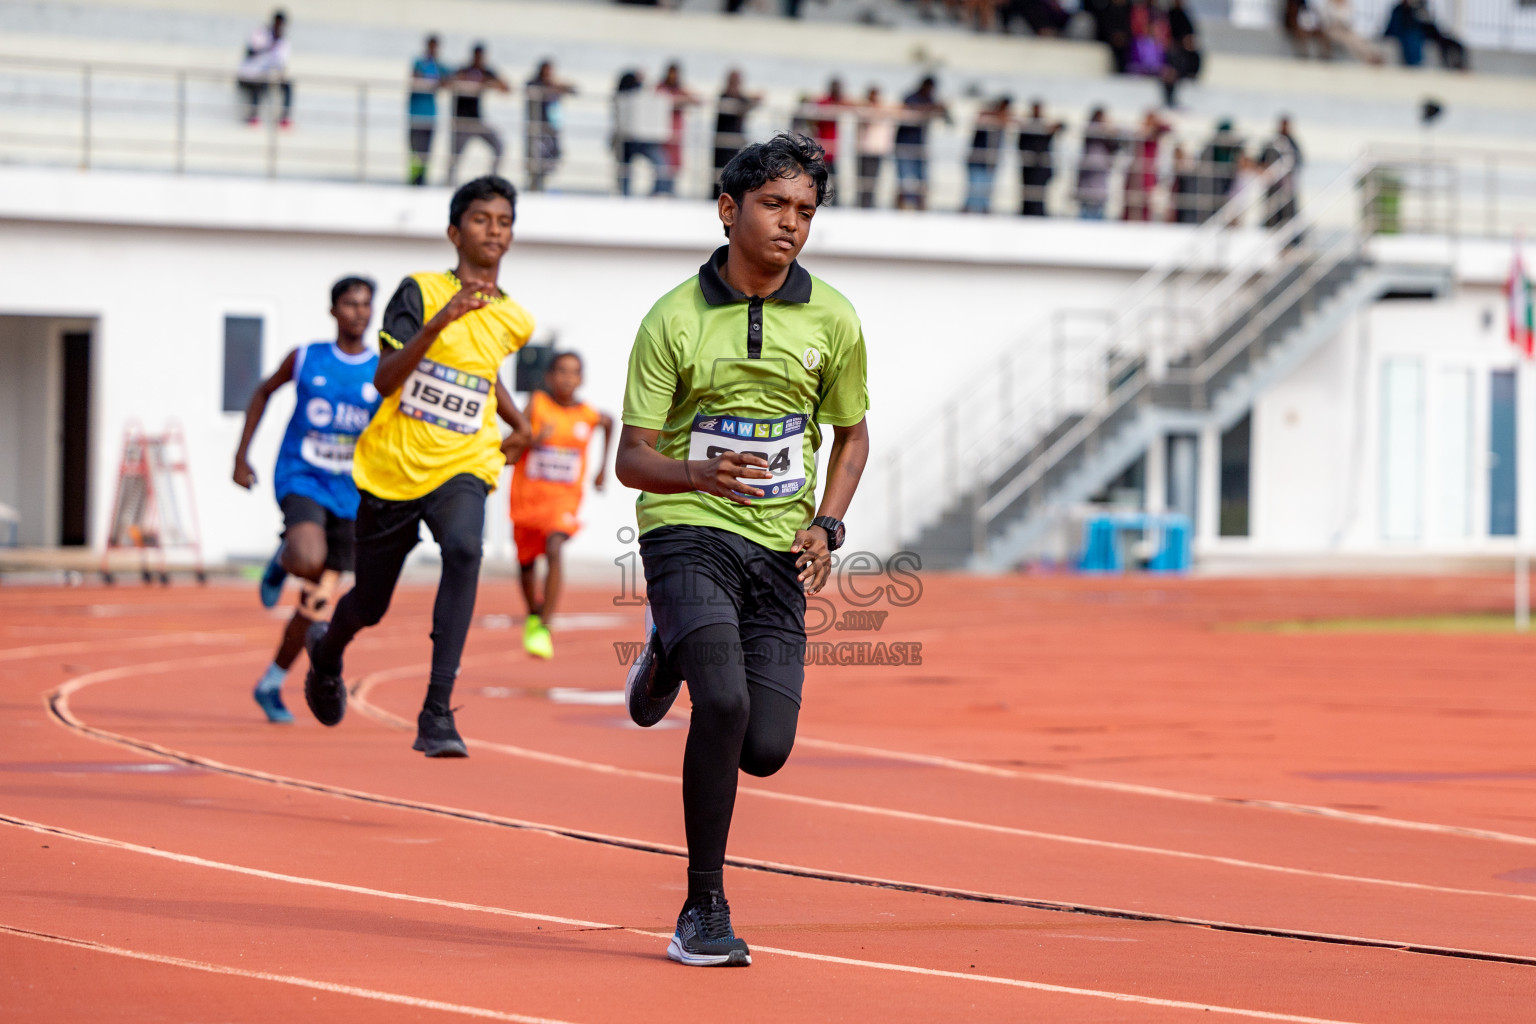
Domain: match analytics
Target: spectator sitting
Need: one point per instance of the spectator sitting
(427, 77)
(266, 59)
(1305, 30)
(1100, 144)
(986, 146)
(1338, 25)
(1411, 23)
(468, 83)
(1036, 163)
(1147, 33)
(1044, 17)
(543, 124)
(731, 122)
(1182, 59)
(876, 141)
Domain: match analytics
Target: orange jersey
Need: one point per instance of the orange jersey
(547, 481)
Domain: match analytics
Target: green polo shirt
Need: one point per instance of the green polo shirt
(713, 369)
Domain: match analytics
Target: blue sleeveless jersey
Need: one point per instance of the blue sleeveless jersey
(336, 399)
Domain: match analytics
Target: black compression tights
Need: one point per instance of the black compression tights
(736, 724)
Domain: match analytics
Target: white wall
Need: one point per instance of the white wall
(159, 261)
(1318, 449)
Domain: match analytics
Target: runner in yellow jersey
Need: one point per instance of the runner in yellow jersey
(432, 453)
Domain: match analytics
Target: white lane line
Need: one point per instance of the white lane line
(1037, 986)
(282, 979)
(128, 643)
(360, 699)
(1168, 794)
(61, 707)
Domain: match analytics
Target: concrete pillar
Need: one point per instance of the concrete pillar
(1208, 486)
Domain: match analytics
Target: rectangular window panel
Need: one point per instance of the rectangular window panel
(1503, 505)
(1236, 448)
(242, 360)
(1402, 444)
(1455, 451)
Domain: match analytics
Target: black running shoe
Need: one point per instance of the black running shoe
(650, 688)
(436, 735)
(704, 937)
(325, 694)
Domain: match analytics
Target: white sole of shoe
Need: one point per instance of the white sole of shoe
(735, 958)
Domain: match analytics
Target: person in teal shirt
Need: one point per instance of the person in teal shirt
(427, 76)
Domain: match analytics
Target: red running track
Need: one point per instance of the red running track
(1091, 801)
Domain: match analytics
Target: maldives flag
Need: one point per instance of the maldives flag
(1518, 291)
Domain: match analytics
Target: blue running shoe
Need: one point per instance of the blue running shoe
(271, 701)
(704, 937)
(272, 579)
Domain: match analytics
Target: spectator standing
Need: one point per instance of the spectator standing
(468, 84)
(265, 65)
(641, 123)
(1412, 24)
(681, 99)
(543, 151)
(876, 142)
(1141, 175)
(986, 145)
(731, 112)
(1100, 144)
(830, 107)
(1036, 161)
(1184, 199)
(427, 77)
(1280, 196)
(919, 108)
(1219, 166)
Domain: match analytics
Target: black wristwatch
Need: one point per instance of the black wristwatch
(835, 531)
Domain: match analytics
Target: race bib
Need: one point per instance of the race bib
(329, 452)
(780, 442)
(556, 465)
(445, 397)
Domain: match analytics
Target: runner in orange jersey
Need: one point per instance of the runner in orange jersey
(546, 489)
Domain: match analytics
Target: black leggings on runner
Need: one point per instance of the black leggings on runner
(735, 725)
(386, 533)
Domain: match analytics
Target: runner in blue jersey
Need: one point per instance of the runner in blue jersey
(313, 478)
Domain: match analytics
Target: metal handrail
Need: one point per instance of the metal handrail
(1341, 187)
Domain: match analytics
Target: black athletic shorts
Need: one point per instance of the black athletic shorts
(701, 575)
(339, 532)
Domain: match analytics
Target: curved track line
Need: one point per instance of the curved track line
(57, 703)
(82, 646)
(360, 698)
(282, 979)
(1038, 986)
(1171, 794)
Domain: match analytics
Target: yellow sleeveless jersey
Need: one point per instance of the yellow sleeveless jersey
(442, 421)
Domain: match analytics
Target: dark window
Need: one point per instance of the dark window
(1235, 449)
(74, 524)
(1502, 479)
(242, 360)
